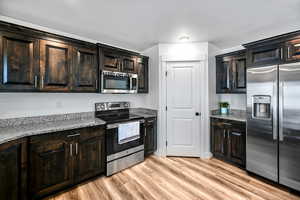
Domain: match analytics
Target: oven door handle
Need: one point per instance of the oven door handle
(116, 125)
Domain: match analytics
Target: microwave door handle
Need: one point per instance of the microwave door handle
(130, 83)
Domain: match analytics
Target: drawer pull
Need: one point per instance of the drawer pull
(228, 124)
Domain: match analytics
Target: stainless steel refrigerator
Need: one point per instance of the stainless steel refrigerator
(273, 123)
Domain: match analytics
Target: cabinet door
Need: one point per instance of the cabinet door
(85, 76)
(237, 145)
(18, 62)
(224, 76)
(143, 75)
(55, 62)
(293, 50)
(219, 144)
(150, 136)
(51, 164)
(110, 61)
(271, 54)
(13, 171)
(129, 64)
(90, 153)
(239, 82)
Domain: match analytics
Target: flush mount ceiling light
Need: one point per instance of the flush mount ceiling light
(184, 38)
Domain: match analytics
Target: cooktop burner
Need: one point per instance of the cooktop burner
(115, 112)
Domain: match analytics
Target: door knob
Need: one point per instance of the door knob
(197, 114)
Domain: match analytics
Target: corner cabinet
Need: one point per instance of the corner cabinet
(228, 141)
(13, 170)
(231, 72)
(59, 160)
(150, 136)
(143, 74)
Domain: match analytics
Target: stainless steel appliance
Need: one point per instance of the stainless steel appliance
(123, 153)
(119, 82)
(273, 123)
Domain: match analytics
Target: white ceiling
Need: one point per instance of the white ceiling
(139, 24)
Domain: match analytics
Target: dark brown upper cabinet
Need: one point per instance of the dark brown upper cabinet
(109, 60)
(143, 74)
(231, 72)
(19, 68)
(85, 69)
(269, 54)
(128, 64)
(13, 170)
(55, 65)
(293, 50)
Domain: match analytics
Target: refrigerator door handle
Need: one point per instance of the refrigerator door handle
(274, 114)
(281, 99)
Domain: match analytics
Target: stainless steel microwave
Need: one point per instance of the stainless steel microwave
(118, 82)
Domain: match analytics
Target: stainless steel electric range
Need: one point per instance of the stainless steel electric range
(124, 135)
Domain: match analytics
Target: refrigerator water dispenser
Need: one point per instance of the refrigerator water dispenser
(261, 107)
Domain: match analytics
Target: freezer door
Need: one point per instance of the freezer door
(289, 125)
(262, 144)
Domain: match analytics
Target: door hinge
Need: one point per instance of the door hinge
(166, 143)
(166, 73)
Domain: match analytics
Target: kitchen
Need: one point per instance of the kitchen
(116, 112)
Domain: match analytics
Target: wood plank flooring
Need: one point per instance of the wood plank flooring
(178, 178)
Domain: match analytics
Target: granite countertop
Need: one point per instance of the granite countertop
(235, 115)
(16, 128)
(13, 129)
(144, 112)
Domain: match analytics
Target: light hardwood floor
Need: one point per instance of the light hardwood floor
(178, 178)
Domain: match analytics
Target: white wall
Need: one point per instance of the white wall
(153, 97)
(35, 104)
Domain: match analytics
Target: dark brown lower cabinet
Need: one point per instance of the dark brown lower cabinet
(59, 160)
(90, 153)
(13, 170)
(150, 136)
(228, 141)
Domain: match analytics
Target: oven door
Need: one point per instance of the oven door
(113, 82)
(112, 139)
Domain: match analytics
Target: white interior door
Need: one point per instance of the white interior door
(183, 104)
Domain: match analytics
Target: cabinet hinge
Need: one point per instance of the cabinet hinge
(166, 73)
(166, 108)
(166, 143)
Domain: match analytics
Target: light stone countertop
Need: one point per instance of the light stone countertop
(235, 115)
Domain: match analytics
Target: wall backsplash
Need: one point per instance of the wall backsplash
(236, 101)
(14, 105)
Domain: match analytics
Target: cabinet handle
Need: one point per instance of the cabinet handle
(151, 121)
(228, 124)
(76, 148)
(288, 52)
(42, 82)
(35, 81)
(96, 84)
(71, 149)
(281, 53)
(236, 134)
(224, 133)
(74, 135)
(145, 132)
